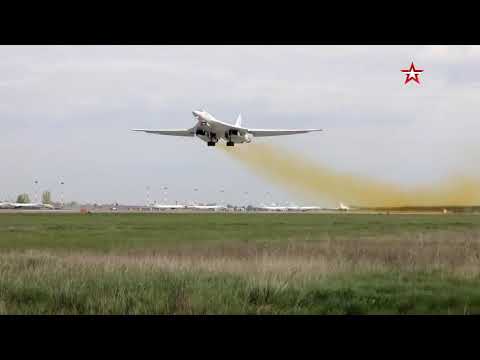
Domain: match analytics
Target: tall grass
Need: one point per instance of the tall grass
(290, 283)
(332, 265)
(47, 286)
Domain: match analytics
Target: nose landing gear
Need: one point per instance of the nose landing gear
(230, 143)
(211, 143)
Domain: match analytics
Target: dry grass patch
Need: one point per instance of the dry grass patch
(453, 253)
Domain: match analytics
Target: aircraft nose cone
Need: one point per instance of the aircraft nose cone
(196, 113)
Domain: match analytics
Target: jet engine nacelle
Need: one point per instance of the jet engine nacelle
(236, 137)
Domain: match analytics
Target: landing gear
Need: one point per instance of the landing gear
(212, 137)
(230, 143)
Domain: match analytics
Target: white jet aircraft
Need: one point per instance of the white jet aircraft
(168, 207)
(210, 207)
(344, 207)
(303, 208)
(6, 205)
(212, 130)
(206, 207)
(33, 206)
(273, 207)
(341, 207)
(291, 207)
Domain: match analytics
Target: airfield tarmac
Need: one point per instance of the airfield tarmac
(187, 211)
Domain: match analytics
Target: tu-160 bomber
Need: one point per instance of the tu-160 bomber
(211, 130)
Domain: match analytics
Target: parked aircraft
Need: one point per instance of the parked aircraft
(34, 206)
(206, 207)
(303, 208)
(168, 207)
(6, 205)
(272, 207)
(341, 207)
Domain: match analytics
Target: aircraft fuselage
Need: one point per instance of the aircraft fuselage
(211, 130)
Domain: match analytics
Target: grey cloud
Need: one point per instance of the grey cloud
(66, 113)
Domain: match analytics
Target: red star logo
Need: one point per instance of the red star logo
(412, 74)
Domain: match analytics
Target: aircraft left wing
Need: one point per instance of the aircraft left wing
(277, 132)
(172, 132)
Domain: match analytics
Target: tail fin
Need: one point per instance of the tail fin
(239, 120)
(344, 207)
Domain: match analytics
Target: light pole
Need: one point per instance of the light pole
(221, 196)
(148, 196)
(61, 194)
(195, 190)
(165, 188)
(36, 191)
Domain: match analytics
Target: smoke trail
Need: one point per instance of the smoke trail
(320, 182)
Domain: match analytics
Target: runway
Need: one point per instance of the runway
(187, 211)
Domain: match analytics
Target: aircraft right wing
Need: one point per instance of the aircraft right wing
(277, 132)
(172, 132)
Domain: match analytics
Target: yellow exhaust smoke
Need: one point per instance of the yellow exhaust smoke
(320, 182)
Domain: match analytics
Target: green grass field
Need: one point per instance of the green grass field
(239, 264)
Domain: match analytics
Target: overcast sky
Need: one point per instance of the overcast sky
(66, 112)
